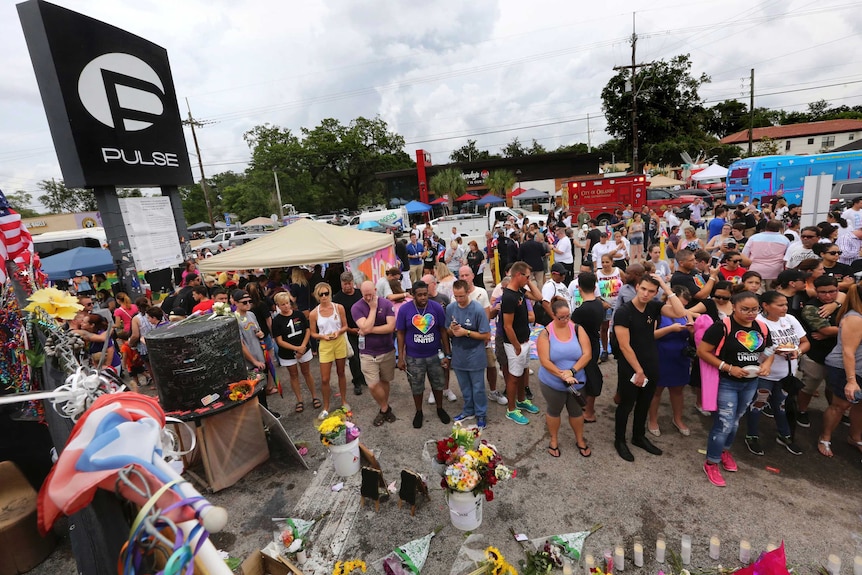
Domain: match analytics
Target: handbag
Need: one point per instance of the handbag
(349, 347)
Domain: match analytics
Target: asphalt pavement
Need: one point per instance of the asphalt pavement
(810, 502)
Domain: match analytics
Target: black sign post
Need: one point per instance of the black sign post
(113, 114)
(112, 110)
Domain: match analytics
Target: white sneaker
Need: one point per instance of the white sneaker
(431, 399)
(498, 397)
(451, 396)
(323, 415)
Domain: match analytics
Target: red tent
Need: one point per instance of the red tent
(440, 200)
(466, 198)
(518, 191)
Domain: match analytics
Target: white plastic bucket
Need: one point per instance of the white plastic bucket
(465, 510)
(345, 458)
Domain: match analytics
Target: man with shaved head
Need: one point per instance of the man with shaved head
(375, 318)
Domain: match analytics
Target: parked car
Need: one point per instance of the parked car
(714, 186)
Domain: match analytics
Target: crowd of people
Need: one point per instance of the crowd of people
(751, 312)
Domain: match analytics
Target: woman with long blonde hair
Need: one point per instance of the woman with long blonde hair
(328, 323)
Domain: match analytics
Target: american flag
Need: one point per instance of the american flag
(15, 241)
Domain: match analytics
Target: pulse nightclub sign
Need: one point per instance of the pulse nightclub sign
(110, 100)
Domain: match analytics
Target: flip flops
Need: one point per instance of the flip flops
(585, 450)
(554, 451)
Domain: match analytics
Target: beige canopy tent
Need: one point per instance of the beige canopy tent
(304, 242)
(260, 222)
(664, 182)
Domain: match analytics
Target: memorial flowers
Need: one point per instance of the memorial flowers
(495, 564)
(470, 466)
(55, 303)
(337, 429)
(241, 390)
(346, 567)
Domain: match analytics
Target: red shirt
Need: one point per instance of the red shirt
(735, 276)
(204, 306)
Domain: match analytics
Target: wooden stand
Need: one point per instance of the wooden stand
(372, 482)
(412, 487)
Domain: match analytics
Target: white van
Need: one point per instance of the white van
(392, 217)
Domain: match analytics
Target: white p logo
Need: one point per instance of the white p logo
(121, 89)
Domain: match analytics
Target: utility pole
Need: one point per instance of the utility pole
(192, 123)
(589, 144)
(278, 194)
(751, 114)
(633, 67)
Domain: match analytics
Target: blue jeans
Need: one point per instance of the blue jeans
(472, 384)
(734, 397)
(776, 400)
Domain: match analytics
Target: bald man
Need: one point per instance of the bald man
(375, 318)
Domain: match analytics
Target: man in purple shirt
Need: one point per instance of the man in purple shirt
(375, 317)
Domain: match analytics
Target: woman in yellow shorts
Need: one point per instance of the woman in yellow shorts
(328, 323)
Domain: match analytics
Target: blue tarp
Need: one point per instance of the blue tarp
(489, 199)
(86, 260)
(417, 207)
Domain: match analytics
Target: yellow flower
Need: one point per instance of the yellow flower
(57, 304)
(345, 567)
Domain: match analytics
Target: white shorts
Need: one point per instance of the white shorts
(306, 357)
(518, 364)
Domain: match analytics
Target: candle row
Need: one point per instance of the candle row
(617, 561)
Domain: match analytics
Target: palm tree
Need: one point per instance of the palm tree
(500, 182)
(448, 182)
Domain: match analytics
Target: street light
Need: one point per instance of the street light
(278, 193)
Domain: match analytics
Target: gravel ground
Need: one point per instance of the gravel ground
(810, 504)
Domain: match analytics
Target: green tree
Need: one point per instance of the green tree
(725, 118)
(765, 147)
(448, 182)
(500, 182)
(536, 148)
(668, 103)
(59, 199)
(343, 160)
(20, 201)
(129, 193)
(470, 153)
(514, 149)
(579, 148)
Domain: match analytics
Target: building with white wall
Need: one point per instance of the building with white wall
(799, 139)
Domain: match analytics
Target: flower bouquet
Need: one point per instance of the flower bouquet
(241, 390)
(337, 429)
(475, 470)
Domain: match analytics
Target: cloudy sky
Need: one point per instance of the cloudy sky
(438, 72)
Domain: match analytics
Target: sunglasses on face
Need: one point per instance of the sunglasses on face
(834, 253)
(245, 301)
(324, 294)
(722, 297)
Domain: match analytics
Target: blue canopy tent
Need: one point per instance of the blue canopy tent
(88, 261)
(489, 199)
(417, 207)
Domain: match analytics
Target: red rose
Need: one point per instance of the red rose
(489, 495)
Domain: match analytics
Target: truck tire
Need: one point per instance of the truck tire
(604, 220)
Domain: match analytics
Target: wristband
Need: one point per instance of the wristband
(720, 366)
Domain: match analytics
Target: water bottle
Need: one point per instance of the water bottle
(361, 342)
(440, 354)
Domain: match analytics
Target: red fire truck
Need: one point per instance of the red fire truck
(603, 196)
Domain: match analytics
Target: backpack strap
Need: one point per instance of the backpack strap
(726, 323)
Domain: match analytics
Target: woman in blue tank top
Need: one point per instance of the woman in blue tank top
(564, 351)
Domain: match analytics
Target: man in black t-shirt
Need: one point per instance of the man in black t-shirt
(686, 276)
(590, 315)
(348, 296)
(516, 340)
(594, 236)
(637, 364)
(813, 363)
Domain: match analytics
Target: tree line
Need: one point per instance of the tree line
(333, 165)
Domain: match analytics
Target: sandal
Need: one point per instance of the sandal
(856, 444)
(825, 448)
(589, 420)
(379, 419)
(316, 403)
(585, 450)
(300, 407)
(389, 416)
(272, 391)
(554, 451)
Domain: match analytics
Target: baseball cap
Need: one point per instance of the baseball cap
(239, 295)
(558, 268)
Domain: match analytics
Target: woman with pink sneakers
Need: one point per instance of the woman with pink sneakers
(734, 346)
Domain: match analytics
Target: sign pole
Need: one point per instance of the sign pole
(118, 240)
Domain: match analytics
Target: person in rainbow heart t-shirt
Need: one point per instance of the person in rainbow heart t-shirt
(422, 337)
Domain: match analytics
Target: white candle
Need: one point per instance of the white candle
(771, 546)
(660, 549)
(834, 564)
(300, 557)
(567, 567)
(857, 565)
(685, 552)
(619, 558)
(714, 547)
(589, 563)
(639, 553)
(744, 552)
